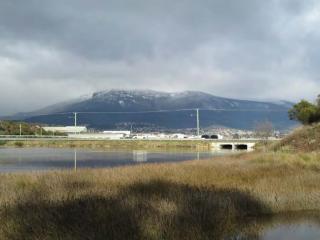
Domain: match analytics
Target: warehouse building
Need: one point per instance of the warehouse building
(66, 129)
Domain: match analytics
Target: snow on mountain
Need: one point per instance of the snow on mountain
(228, 112)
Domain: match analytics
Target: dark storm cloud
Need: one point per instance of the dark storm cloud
(120, 29)
(246, 49)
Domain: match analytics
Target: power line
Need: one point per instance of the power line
(48, 114)
(190, 109)
(140, 112)
(163, 111)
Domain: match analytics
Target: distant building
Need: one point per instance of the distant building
(162, 136)
(66, 129)
(116, 134)
(124, 133)
(178, 136)
(212, 136)
(148, 136)
(112, 135)
(216, 136)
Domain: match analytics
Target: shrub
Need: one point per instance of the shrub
(19, 144)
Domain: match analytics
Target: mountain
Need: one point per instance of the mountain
(126, 107)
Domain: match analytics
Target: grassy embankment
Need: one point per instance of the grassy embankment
(114, 144)
(304, 139)
(212, 199)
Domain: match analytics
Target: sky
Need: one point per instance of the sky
(51, 51)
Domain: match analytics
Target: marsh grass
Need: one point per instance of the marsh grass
(117, 144)
(210, 199)
(303, 139)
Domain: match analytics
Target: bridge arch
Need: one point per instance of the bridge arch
(241, 146)
(226, 146)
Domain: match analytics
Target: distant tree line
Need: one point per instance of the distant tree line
(306, 112)
(15, 128)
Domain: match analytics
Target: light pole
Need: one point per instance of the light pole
(198, 122)
(75, 118)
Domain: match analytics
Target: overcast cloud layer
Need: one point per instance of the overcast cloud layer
(56, 50)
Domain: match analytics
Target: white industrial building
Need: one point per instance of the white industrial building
(124, 133)
(178, 136)
(156, 136)
(112, 135)
(66, 129)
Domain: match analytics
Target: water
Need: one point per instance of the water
(35, 159)
(294, 226)
(38, 159)
(297, 231)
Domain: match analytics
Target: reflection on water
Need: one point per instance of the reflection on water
(304, 225)
(298, 231)
(293, 227)
(30, 159)
(75, 160)
(140, 156)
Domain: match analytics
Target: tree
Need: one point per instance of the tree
(305, 112)
(13, 128)
(264, 129)
(318, 101)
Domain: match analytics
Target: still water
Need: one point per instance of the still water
(35, 159)
(297, 231)
(38, 159)
(298, 226)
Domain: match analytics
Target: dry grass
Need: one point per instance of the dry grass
(304, 139)
(192, 200)
(115, 144)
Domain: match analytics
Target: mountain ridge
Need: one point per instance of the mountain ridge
(215, 109)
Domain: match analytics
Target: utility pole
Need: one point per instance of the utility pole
(20, 129)
(198, 123)
(75, 118)
(75, 122)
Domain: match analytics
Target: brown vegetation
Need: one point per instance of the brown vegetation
(212, 199)
(304, 139)
(222, 198)
(117, 144)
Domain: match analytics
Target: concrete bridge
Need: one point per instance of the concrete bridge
(234, 144)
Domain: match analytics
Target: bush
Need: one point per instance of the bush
(19, 144)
